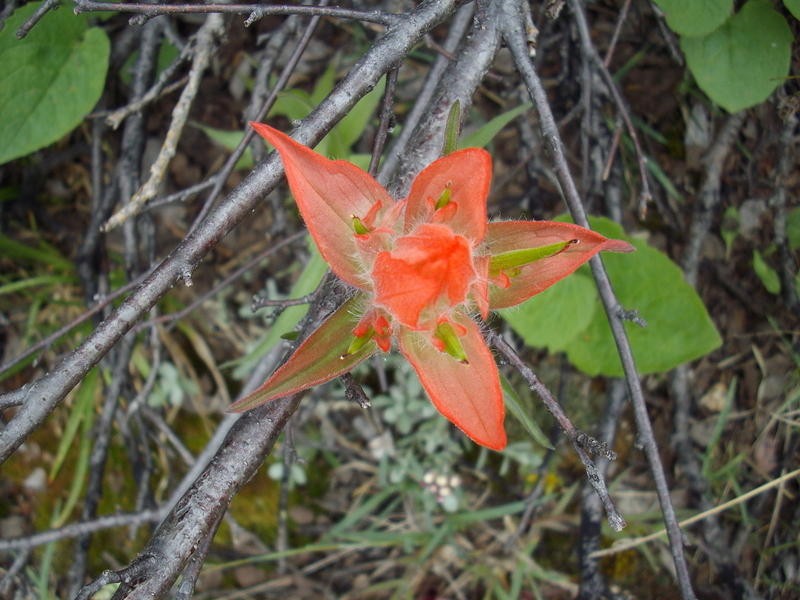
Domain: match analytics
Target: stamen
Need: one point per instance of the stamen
(358, 226)
(514, 259)
(444, 199)
(446, 334)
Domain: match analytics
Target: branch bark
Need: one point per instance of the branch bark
(42, 396)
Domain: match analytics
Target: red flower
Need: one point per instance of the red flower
(422, 267)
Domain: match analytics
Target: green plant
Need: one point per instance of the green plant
(61, 74)
(737, 59)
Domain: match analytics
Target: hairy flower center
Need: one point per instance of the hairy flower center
(427, 272)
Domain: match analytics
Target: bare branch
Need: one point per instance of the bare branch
(207, 35)
(515, 37)
(576, 438)
(256, 11)
(40, 12)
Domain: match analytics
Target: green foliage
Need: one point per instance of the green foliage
(742, 61)
(41, 276)
(766, 274)
(729, 229)
(518, 411)
(58, 76)
(568, 317)
(695, 17)
(84, 409)
(481, 137)
(793, 6)
(452, 128)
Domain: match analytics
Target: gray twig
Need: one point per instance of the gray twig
(455, 32)
(709, 195)
(40, 12)
(207, 35)
(588, 48)
(515, 37)
(256, 11)
(262, 111)
(593, 475)
(788, 267)
(459, 81)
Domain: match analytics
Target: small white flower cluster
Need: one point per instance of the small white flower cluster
(442, 486)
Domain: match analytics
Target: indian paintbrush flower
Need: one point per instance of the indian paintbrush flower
(424, 267)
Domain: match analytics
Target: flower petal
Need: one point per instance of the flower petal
(468, 394)
(427, 272)
(504, 236)
(329, 193)
(467, 174)
(319, 358)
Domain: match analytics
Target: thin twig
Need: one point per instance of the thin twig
(5, 401)
(40, 12)
(386, 119)
(260, 302)
(788, 267)
(283, 80)
(9, 7)
(588, 47)
(709, 196)
(623, 545)
(20, 560)
(515, 38)
(78, 529)
(188, 309)
(612, 45)
(207, 35)
(455, 32)
(184, 194)
(159, 90)
(593, 475)
(593, 584)
(257, 11)
(459, 81)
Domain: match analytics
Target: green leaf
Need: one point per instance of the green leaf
(229, 140)
(452, 128)
(742, 62)
(766, 274)
(45, 254)
(81, 411)
(296, 104)
(59, 70)
(695, 17)
(84, 406)
(350, 129)
(486, 133)
(730, 228)
(793, 6)
(324, 84)
(678, 326)
(515, 407)
(292, 104)
(555, 317)
(39, 280)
